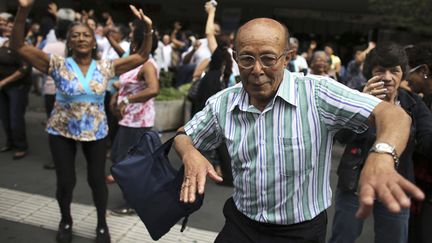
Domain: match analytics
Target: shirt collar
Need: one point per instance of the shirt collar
(287, 91)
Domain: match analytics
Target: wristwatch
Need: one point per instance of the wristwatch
(385, 148)
(125, 100)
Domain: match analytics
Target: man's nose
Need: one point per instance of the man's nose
(257, 68)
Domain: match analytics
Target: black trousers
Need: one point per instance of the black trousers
(63, 151)
(420, 224)
(13, 103)
(49, 101)
(111, 119)
(239, 228)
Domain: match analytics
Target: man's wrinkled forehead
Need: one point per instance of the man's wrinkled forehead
(262, 25)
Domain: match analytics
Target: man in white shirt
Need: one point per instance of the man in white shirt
(297, 63)
(163, 53)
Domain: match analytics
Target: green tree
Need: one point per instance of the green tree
(415, 15)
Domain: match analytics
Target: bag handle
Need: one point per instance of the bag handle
(140, 140)
(165, 147)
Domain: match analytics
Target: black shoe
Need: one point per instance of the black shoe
(64, 233)
(102, 235)
(19, 155)
(123, 211)
(49, 166)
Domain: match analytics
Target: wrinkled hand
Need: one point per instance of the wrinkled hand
(25, 3)
(375, 87)
(197, 167)
(140, 15)
(380, 180)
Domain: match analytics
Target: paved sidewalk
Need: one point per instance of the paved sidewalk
(42, 211)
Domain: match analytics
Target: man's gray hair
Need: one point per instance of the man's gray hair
(293, 40)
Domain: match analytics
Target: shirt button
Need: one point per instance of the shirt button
(262, 142)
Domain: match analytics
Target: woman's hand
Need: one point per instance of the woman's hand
(52, 9)
(25, 3)
(113, 106)
(375, 87)
(140, 15)
(209, 7)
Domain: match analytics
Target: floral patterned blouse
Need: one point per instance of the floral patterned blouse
(79, 111)
(136, 114)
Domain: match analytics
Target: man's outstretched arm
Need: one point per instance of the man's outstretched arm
(379, 178)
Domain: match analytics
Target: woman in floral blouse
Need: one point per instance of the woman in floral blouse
(79, 115)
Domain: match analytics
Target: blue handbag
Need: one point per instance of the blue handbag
(151, 185)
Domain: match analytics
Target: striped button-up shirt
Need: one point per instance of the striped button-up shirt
(281, 156)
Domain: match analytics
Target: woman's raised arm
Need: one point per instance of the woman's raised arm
(29, 53)
(210, 29)
(125, 64)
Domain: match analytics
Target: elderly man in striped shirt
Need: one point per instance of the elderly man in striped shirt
(279, 127)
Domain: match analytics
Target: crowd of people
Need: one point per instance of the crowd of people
(265, 115)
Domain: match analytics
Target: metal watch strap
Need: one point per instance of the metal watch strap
(386, 148)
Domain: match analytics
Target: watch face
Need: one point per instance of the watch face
(384, 147)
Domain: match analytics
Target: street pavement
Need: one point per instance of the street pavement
(29, 213)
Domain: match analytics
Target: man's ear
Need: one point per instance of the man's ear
(288, 57)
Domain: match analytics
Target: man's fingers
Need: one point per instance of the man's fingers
(363, 211)
(213, 175)
(386, 197)
(184, 191)
(400, 195)
(192, 185)
(411, 189)
(201, 180)
(366, 200)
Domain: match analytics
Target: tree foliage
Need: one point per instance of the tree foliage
(415, 15)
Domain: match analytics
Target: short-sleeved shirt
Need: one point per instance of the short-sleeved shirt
(58, 48)
(281, 156)
(136, 114)
(79, 111)
(202, 53)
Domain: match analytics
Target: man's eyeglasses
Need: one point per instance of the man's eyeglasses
(267, 60)
(415, 68)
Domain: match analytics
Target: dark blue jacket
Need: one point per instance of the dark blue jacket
(358, 145)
